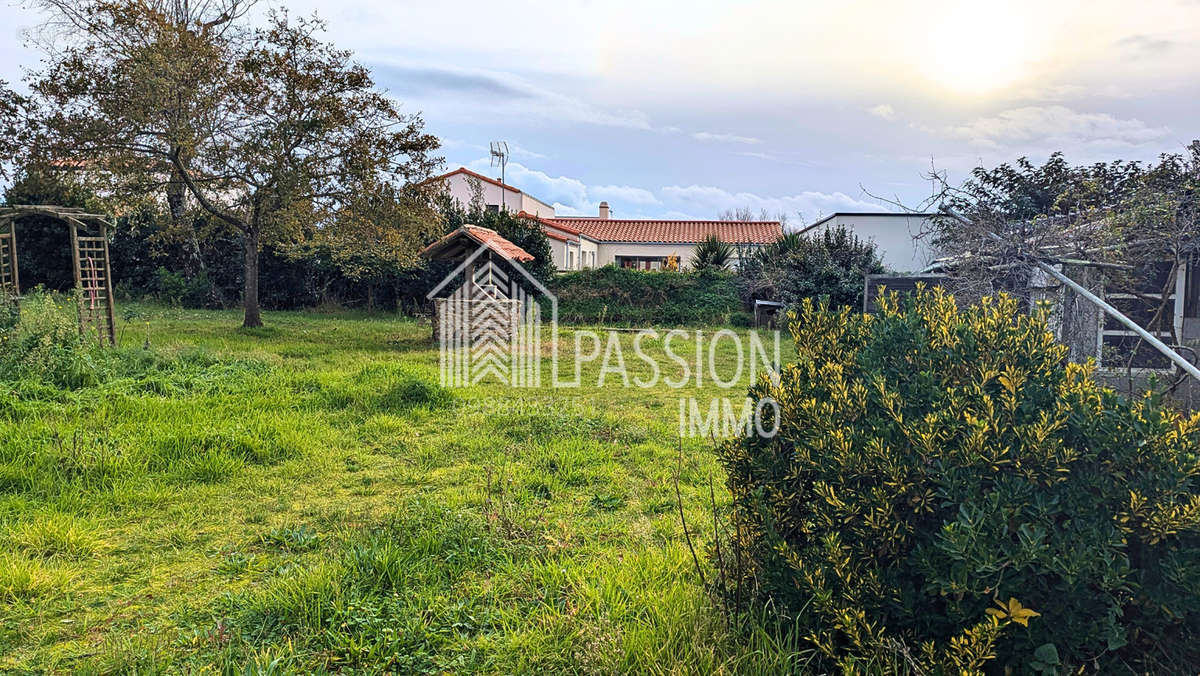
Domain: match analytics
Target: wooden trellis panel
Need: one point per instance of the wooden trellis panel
(93, 281)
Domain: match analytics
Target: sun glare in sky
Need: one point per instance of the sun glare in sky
(977, 48)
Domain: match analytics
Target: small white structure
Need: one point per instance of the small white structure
(895, 234)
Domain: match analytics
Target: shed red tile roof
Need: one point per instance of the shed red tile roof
(465, 240)
(672, 232)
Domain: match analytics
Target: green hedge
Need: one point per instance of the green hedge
(612, 295)
(939, 472)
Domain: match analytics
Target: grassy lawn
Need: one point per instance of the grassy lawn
(307, 497)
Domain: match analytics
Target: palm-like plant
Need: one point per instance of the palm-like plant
(712, 254)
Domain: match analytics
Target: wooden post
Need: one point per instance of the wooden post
(13, 268)
(108, 289)
(78, 275)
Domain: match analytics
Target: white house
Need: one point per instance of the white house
(896, 235)
(587, 242)
(646, 244)
(468, 187)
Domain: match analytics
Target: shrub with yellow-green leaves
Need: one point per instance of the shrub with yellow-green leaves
(947, 493)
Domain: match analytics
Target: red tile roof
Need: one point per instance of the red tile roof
(457, 245)
(673, 232)
(473, 174)
(562, 233)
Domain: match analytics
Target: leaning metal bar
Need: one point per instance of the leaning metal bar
(1129, 323)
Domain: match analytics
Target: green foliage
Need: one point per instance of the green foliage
(939, 474)
(43, 242)
(44, 344)
(612, 295)
(175, 289)
(796, 267)
(712, 254)
(525, 232)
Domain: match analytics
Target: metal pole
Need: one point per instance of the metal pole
(1129, 323)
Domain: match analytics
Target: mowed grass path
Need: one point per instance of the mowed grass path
(306, 497)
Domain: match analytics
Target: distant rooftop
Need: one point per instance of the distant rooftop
(671, 231)
(830, 217)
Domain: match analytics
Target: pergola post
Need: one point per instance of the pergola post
(77, 270)
(10, 278)
(108, 289)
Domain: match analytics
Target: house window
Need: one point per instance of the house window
(642, 262)
(492, 208)
(570, 260)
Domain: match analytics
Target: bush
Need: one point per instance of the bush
(937, 473)
(175, 289)
(796, 267)
(612, 295)
(44, 343)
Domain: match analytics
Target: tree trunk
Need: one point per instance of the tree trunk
(250, 298)
(193, 261)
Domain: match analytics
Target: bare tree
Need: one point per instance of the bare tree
(748, 214)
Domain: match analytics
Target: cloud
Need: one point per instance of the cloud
(424, 80)
(710, 137)
(625, 193)
(501, 91)
(883, 110)
(517, 151)
(572, 197)
(706, 201)
(1055, 126)
(1144, 44)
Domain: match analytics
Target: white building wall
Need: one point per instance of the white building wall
(894, 235)
(462, 191)
(607, 252)
(589, 253)
(533, 205)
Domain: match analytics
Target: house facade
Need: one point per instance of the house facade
(896, 235)
(581, 242)
(649, 244)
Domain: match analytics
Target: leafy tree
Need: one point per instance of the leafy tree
(282, 137)
(712, 254)
(12, 108)
(796, 267)
(129, 83)
(525, 232)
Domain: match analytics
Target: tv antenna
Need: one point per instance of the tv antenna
(499, 152)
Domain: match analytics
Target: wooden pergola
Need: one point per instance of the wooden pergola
(89, 252)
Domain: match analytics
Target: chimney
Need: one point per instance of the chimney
(604, 211)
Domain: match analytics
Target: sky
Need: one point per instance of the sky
(687, 109)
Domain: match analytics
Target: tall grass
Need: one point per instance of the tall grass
(309, 498)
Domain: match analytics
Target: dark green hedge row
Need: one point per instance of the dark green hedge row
(612, 295)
